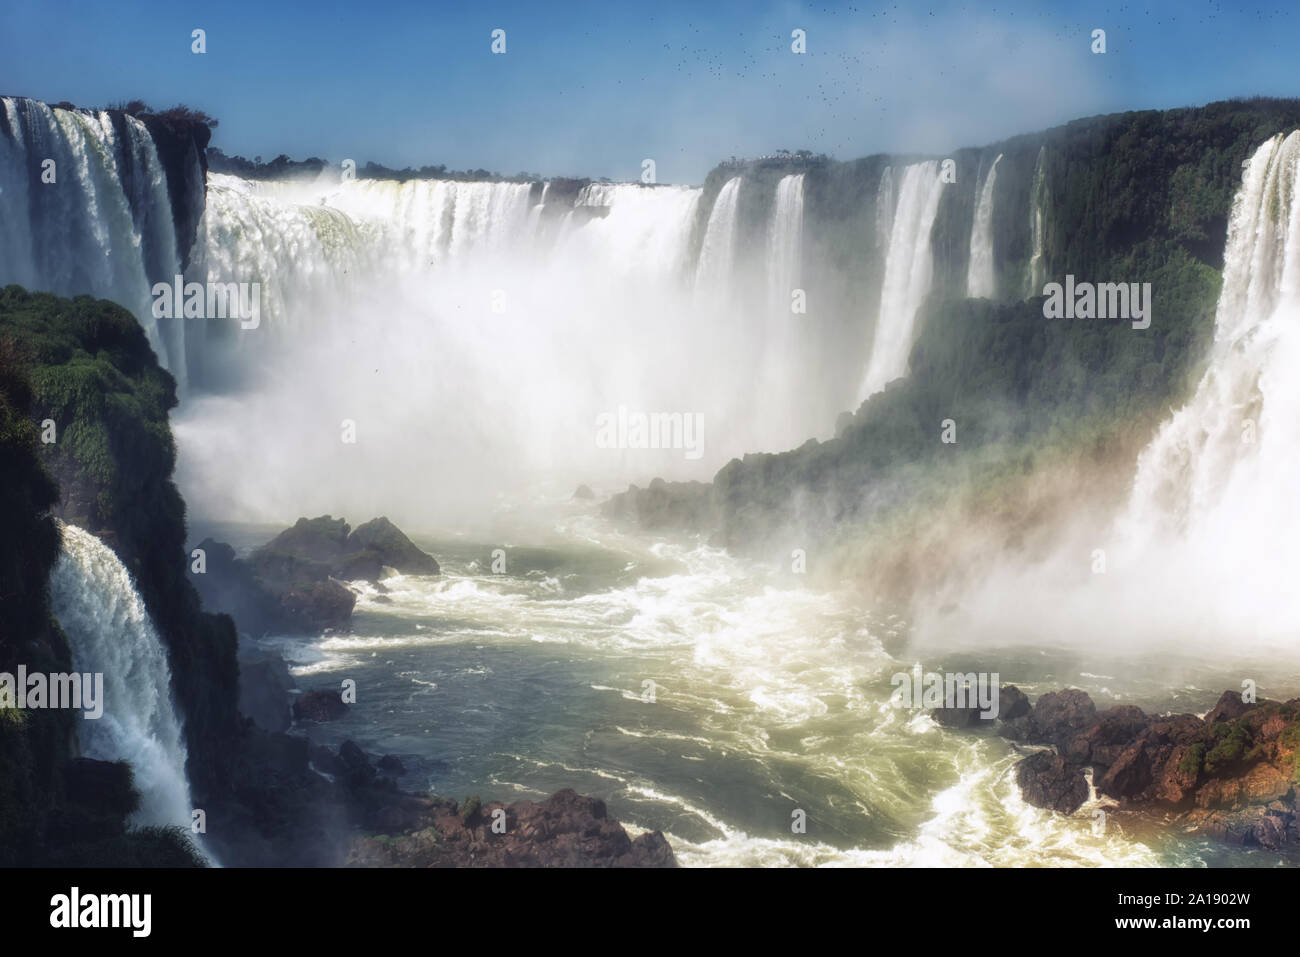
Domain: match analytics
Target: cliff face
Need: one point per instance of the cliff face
(182, 146)
(180, 138)
(81, 364)
(33, 744)
(1135, 198)
(94, 375)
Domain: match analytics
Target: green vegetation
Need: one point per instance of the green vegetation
(1290, 739)
(87, 366)
(469, 811)
(31, 742)
(1138, 198)
(140, 847)
(1232, 741)
(1193, 760)
(180, 113)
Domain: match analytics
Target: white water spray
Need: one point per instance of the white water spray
(718, 252)
(785, 347)
(1037, 198)
(785, 242)
(102, 227)
(1201, 564)
(1217, 484)
(981, 279)
(473, 338)
(909, 268)
(109, 630)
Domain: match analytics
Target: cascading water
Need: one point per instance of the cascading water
(646, 230)
(718, 252)
(885, 201)
(385, 301)
(108, 628)
(1218, 481)
(1200, 566)
(85, 210)
(1037, 199)
(909, 268)
(306, 257)
(785, 242)
(784, 348)
(981, 281)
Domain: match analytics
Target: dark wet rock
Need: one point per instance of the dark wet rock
(272, 593)
(1157, 764)
(391, 764)
(264, 688)
(327, 761)
(471, 814)
(584, 492)
(1059, 716)
(285, 814)
(1259, 784)
(1012, 703)
(295, 582)
(1105, 740)
(663, 505)
(1048, 781)
(391, 547)
(1233, 774)
(1009, 697)
(356, 766)
(227, 584)
(956, 717)
(181, 143)
(1228, 707)
(566, 830)
(1249, 827)
(103, 785)
(325, 547)
(318, 606)
(319, 705)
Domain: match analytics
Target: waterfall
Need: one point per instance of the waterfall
(307, 257)
(386, 302)
(909, 267)
(785, 242)
(646, 231)
(785, 351)
(981, 279)
(1204, 554)
(108, 628)
(1037, 201)
(885, 200)
(1219, 477)
(718, 252)
(103, 227)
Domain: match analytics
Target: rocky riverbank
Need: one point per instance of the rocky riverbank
(1233, 775)
(565, 830)
(295, 583)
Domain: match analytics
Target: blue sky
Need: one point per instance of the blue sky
(594, 88)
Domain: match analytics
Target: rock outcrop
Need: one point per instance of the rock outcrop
(565, 830)
(295, 583)
(1234, 774)
(319, 705)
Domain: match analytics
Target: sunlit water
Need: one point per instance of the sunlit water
(768, 697)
